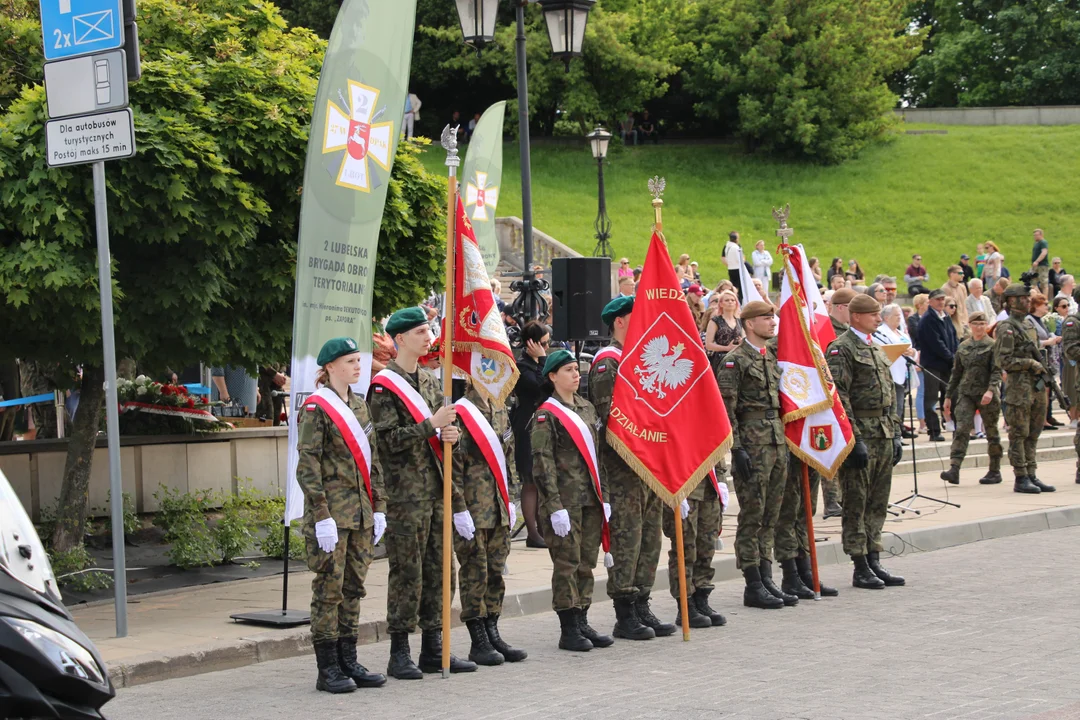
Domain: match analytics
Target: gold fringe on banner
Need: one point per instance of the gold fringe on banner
(490, 355)
(669, 498)
(826, 381)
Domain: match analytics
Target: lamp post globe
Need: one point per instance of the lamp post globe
(477, 18)
(598, 142)
(566, 21)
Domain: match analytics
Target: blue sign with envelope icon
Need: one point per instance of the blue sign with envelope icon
(80, 27)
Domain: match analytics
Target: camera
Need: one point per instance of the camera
(1029, 277)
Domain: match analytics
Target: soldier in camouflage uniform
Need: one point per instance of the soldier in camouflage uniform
(483, 556)
(413, 475)
(636, 511)
(792, 537)
(1070, 347)
(861, 373)
(341, 523)
(749, 380)
(1016, 352)
(571, 515)
(839, 316)
(974, 385)
(703, 517)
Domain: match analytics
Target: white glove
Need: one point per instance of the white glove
(724, 496)
(379, 519)
(326, 534)
(560, 523)
(464, 525)
(684, 508)
(513, 515)
(607, 512)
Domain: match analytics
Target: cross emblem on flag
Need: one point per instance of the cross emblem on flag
(356, 134)
(481, 196)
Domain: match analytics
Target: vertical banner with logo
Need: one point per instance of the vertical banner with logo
(480, 181)
(355, 127)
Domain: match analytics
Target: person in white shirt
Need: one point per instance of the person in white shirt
(733, 256)
(892, 332)
(412, 113)
(1067, 283)
(976, 300)
(762, 262)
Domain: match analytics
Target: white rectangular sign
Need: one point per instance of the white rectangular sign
(86, 84)
(90, 138)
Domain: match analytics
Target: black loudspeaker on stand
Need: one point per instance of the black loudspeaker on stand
(580, 288)
(905, 503)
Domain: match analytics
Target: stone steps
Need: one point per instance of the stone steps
(933, 458)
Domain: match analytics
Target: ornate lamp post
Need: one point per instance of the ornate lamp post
(566, 30)
(598, 142)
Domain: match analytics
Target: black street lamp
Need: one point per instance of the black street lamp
(598, 142)
(566, 30)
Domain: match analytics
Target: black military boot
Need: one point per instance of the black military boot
(701, 599)
(645, 615)
(766, 579)
(431, 655)
(1024, 485)
(481, 652)
(491, 624)
(693, 614)
(952, 475)
(401, 665)
(598, 640)
(571, 637)
(331, 679)
(874, 561)
(791, 583)
(993, 477)
(755, 594)
(864, 577)
(1043, 487)
(627, 624)
(346, 654)
(807, 574)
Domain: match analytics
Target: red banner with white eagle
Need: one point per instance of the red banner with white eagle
(667, 420)
(816, 427)
(481, 348)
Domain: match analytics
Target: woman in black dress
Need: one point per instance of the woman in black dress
(724, 331)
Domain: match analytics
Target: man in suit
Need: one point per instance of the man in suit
(937, 346)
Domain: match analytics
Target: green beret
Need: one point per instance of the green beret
(616, 309)
(556, 360)
(335, 348)
(405, 320)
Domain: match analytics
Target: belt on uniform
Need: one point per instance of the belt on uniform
(758, 415)
(876, 412)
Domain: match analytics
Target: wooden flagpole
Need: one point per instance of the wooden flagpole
(449, 142)
(656, 187)
(808, 508)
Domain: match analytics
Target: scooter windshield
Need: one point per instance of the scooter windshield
(22, 555)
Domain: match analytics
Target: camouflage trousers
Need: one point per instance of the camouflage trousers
(573, 557)
(414, 547)
(700, 529)
(760, 497)
(866, 498)
(964, 416)
(831, 490)
(636, 520)
(792, 537)
(480, 576)
(1025, 422)
(338, 585)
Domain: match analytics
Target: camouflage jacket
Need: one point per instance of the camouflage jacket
(838, 327)
(1016, 351)
(601, 389)
(327, 472)
(1070, 341)
(413, 472)
(475, 488)
(864, 383)
(750, 382)
(561, 475)
(973, 371)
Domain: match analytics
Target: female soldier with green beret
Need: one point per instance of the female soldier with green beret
(572, 515)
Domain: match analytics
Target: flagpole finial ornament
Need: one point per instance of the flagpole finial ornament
(656, 189)
(784, 232)
(449, 143)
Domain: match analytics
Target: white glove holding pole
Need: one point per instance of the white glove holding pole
(607, 512)
(513, 515)
(379, 521)
(560, 523)
(684, 508)
(326, 535)
(463, 523)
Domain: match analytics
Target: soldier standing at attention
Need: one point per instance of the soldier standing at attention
(636, 511)
(793, 539)
(1016, 352)
(401, 400)
(1070, 346)
(863, 380)
(572, 513)
(974, 385)
(344, 514)
(749, 380)
(839, 316)
(485, 486)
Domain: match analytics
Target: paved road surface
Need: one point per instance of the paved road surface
(988, 630)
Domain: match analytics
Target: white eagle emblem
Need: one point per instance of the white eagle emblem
(662, 369)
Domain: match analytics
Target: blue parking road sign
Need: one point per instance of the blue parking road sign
(81, 27)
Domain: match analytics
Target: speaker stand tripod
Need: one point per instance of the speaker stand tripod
(904, 504)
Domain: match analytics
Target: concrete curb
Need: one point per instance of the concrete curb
(277, 645)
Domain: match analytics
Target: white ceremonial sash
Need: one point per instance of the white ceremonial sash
(355, 438)
(413, 400)
(489, 443)
(609, 351)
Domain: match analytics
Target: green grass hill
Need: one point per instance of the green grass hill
(935, 194)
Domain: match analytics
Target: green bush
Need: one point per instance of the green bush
(132, 521)
(183, 518)
(75, 571)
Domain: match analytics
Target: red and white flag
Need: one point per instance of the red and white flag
(667, 419)
(481, 348)
(817, 428)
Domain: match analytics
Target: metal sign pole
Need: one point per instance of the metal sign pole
(112, 406)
